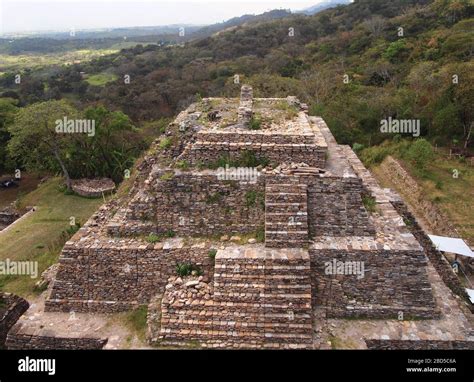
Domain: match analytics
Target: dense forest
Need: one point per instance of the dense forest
(354, 65)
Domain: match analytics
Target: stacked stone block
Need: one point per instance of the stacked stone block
(286, 212)
(261, 299)
(244, 113)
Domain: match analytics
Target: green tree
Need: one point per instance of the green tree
(35, 143)
(113, 148)
(8, 110)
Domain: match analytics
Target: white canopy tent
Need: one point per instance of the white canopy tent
(470, 292)
(451, 245)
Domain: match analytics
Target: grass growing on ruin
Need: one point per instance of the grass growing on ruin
(290, 110)
(369, 203)
(188, 269)
(254, 198)
(136, 321)
(40, 236)
(153, 238)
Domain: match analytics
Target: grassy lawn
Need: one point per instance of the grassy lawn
(40, 236)
(101, 79)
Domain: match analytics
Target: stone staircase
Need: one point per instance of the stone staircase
(261, 299)
(286, 212)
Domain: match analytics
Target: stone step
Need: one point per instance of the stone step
(285, 207)
(260, 300)
(284, 198)
(285, 243)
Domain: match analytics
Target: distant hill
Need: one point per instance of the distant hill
(352, 64)
(242, 20)
(324, 5)
(54, 42)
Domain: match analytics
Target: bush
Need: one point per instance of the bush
(188, 269)
(183, 165)
(73, 229)
(395, 50)
(357, 147)
(165, 143)
(167, 176)
(255, 123)
(374, 155)
(420, 153)
(369, 203)
(153, 238)
(251, 198)
(260, 235)
(212, 254)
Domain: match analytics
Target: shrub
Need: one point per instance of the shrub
(214, 198)
(212, 254)
(73, 229)
(165, 143)
(260, 235)
(357, 147)
(420, 153)
(374, 155)
(395, 50)
(187, 269)
(182, 164)
(251, 198)
(167, 176)
(369, 203)
(153, 238)
(255, 123)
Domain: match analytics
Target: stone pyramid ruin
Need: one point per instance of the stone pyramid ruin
(272, 216)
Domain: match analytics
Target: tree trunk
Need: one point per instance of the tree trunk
(468, 137)
(65, 172)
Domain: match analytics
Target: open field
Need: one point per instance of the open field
(22, 61)
(101, 79)
(40, 236)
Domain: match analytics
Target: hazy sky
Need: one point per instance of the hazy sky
(40, 15)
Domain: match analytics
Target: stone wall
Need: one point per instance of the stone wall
(255, 137)
(11, 309)
(22, 341)
(195, 204)
(336, 208)
(393, 282)
(8, 216)
(419, 345)
(108, 279)
(207, 153)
